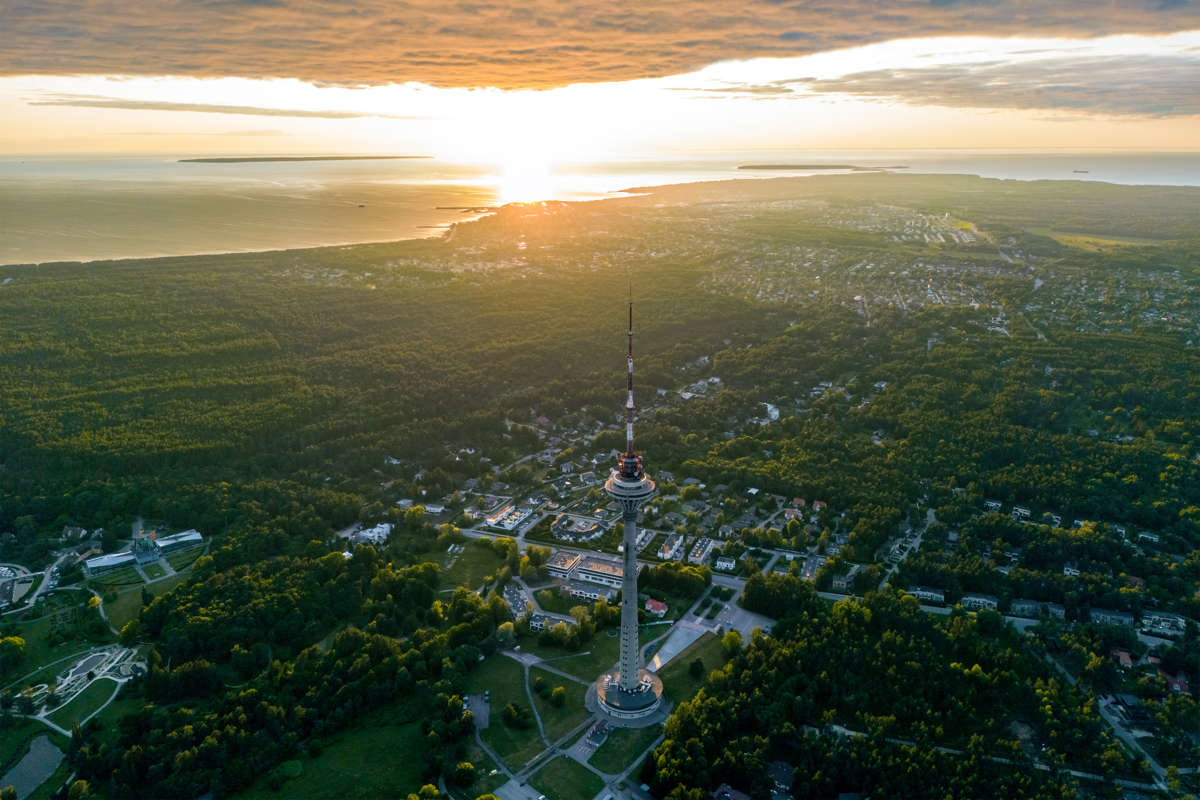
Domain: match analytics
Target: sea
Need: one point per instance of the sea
(98, 207)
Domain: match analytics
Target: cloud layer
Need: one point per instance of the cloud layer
(1134, 85)
(97, 101)
(536, 43)
(1156, 86)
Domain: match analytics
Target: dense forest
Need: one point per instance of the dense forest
(856, 694)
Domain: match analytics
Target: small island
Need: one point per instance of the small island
(254, 159)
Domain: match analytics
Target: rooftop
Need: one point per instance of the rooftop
(603, 565)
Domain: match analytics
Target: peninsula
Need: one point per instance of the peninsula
(254, 159)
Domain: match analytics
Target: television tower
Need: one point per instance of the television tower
(630, 692)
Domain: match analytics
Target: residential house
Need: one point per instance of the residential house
(1104, 616)
(978, 602)
(927, 595)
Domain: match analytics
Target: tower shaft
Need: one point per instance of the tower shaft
(629, 484)
(630, 660)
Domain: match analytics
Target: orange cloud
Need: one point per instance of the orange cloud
(536, 44)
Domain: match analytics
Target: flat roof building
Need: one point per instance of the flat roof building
(101, 564)
(978, 602)
(562, 564)
(927, 594)
(175, 541)
(593, 569)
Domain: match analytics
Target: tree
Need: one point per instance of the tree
(12, 648)
(79, 790)
(464, 773)
(558, 697)
(731, 643)
(506, 634)
(696, 668)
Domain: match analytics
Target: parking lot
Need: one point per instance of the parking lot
(480, 707)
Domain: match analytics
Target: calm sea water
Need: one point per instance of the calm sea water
(55, 208)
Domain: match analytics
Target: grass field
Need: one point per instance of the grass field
(560, 721)
(593, 658)
(470, 568)
(1093, 243)
(364, 763)
(39, 650)
(116, 580)
(106, 721)
(554, 601)
(677, 679)
(182, 559)
(505, 679)
(95, 695)
(622, 746)
(154, 571)
(564, 779)
(484, 783)
(129, 600)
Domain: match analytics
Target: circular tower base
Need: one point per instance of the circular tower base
(625, 705)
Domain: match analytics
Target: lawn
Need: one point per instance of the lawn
(505, 679)
(39, 650)
(565, 779)
(85, 703)
(484, 783)
(115, 580)
(560, 721)
(182, 559)
(676, 676)
(129, 601)
(622, 746)
(106, 721)
(154, 571)
(554, 601)
(593, 658)
(371, 760)
(470, 568)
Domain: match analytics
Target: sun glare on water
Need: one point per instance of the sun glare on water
(525, 179)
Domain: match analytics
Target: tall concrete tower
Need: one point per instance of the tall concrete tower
(629, 692)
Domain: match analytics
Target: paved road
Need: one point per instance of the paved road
(42, 587)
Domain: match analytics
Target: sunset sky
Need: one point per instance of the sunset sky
(560, 81)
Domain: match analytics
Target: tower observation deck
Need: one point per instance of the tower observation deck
(629, 692)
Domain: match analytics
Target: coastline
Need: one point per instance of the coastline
(632, 193)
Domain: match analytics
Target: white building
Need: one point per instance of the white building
(102, 564)
(604, 571)
(562, 564)
(978, 602)
(672, 548)
(176, 541)
(701, 550)
(927, 595)
(377, 535)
